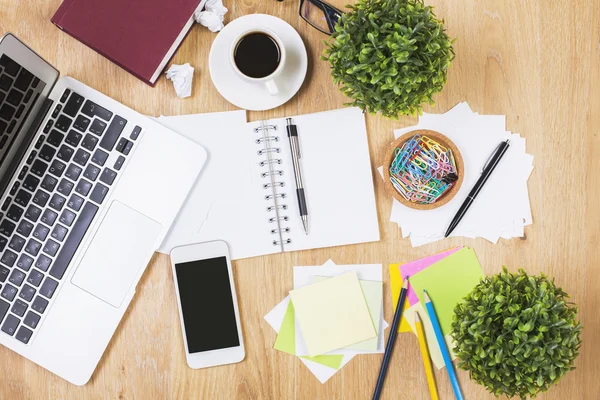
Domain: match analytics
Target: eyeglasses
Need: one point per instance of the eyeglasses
(320, 15)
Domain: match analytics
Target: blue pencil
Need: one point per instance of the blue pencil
(443, 348)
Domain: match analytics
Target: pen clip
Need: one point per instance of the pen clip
(492, 155)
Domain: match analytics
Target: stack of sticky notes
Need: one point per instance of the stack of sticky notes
(332, 314)
(502, 208)
(448, 277)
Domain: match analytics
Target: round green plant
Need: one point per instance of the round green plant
(516, 334)
(390, 56)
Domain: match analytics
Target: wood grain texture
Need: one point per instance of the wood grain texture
(537, 62)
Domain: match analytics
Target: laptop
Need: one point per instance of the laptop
(89, 188)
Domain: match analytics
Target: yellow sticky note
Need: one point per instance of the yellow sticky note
(333, 314)
(434, 349)
(396, 284)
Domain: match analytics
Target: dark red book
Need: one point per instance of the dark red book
(140, 36)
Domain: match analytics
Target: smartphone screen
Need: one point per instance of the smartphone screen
(207, 304)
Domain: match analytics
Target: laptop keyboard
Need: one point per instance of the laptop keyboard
(53, 202)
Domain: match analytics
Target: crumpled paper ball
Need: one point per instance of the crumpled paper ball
(182, 76)
(211, 14)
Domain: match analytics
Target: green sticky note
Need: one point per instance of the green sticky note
(447, 282)
(286, 341)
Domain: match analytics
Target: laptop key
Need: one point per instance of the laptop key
(113, 132)
(25, 227)
(73, 105)
(57, 168)
(33, 247)
(6, 203)
(49, 124)
(49, 183)
(41, 198)
(51, 247)
(9, 292)
(65, 95)
(24, 335)
(39, 304)
(83, 187)
(16, 243)
(31, 320)
(59, 232)
(40, 141)
(98, 127)
(8, 258)
(35, 277)
(19, 308)
(91, 172)
(65, 153)
(57, 202)
(99, 157)
(81, 123)
(75, 202)
(5, 82)
(23, 80)
(81, 157)
(4, 273)
(65, 187)
(47, 153)
(92, 109)
(10, 66)
(27, 293)
(70, 246)
(55, 138)
(108, 176)
(56, 111)
(7, 111)
(7, 228)
(25, 262)
(16, 277)
(28, 95)
(43, 263)
(18, 113)
(135, 133)
(10, 325)
(89, 142)
(63, 123)
(3, 242)
(39, 168)
(14, 97)
(11, 126)
(73, 172)
(119, 163)
(49, 217)
(73, 138)
(67, 217)
(3, 124)
(41, 232)
(99, 193)
(22, 198)
(14, 212)
(49, 286)
(31, 183)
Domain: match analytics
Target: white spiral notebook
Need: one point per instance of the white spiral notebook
(246, 194)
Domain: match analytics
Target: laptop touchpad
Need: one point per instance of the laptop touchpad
(118, 252)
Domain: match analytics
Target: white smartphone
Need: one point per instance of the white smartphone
(208, 309)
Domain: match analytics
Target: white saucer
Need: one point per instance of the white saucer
(254, 96)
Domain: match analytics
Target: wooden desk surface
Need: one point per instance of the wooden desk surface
(537, 62)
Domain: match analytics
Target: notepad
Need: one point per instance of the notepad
(447, 282)
(333, 313)
(246, 194)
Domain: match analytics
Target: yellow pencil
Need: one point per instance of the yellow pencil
(426, 359)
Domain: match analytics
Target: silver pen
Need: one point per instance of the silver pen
(295, 149)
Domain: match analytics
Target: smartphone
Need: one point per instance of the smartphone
(208, 309)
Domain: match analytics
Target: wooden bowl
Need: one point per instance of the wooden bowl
(441, 139)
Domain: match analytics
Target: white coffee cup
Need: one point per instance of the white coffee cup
(269, 80)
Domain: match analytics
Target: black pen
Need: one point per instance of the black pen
(487, 170)
(295, 149)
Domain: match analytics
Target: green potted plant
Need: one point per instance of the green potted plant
(516, 334)
(389, 56)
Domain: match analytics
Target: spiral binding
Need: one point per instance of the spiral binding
(266, 140)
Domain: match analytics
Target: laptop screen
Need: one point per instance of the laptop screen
(19, 91)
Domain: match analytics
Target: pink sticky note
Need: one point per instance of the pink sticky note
(413, 267)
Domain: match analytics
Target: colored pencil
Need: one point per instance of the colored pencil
(443, 348)
(391, 341)
(426, 359)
